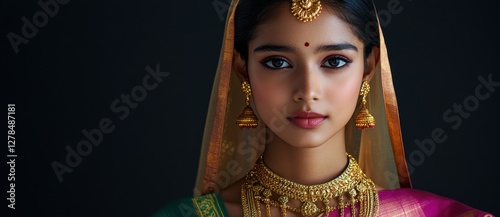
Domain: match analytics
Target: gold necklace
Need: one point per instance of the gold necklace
(352, 185)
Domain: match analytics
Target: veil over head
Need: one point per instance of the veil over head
(228, 152)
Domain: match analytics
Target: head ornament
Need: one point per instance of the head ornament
(306, 10)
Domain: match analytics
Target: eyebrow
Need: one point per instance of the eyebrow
(335, 47)
(273, 47)
(321, 48)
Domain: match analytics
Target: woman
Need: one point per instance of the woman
(319, 134)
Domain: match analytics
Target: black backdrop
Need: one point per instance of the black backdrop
(86, 54)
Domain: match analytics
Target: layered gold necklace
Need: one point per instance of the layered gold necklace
(261, 185)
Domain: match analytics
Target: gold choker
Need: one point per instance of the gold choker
(261, 185)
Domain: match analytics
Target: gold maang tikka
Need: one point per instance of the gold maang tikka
(364, 119)
(306, 10)
(247, 118)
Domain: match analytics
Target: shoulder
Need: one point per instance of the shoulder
(232, 198)
(205, 205)
(415, 202)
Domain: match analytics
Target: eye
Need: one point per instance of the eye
(336, 62)
(276, 63)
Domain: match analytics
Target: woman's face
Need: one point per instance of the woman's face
(305, 77)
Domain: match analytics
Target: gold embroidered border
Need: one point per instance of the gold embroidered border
(208, 206)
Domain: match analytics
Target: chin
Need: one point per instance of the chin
(306, 138)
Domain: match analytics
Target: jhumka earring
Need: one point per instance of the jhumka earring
(364, 119)
(247, 118)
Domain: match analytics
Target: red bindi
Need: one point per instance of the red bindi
(306, 44)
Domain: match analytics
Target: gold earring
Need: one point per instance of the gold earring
(364, 119)
(247, 118)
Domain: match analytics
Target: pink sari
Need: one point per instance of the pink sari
(412, 202)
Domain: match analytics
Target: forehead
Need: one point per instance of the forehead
(282, 27)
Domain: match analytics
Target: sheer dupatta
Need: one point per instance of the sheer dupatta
(228, 153)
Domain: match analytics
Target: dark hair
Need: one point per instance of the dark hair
(359, 14)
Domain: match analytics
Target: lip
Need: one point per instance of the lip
(307, 120)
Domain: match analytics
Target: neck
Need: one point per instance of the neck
(307, 166)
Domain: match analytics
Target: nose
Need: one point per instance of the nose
(307, 85)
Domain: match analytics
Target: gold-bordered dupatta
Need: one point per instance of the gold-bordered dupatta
(228, 153)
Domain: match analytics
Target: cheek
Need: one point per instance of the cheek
(270, 93)
(343, 94)
(267, 94)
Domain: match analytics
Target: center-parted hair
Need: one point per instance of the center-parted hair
(359, 14)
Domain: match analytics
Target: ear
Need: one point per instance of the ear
(239, 66)
(371, 64)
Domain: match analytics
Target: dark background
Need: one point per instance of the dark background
(65, 78)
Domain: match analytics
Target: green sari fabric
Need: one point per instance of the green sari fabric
(205, 205)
